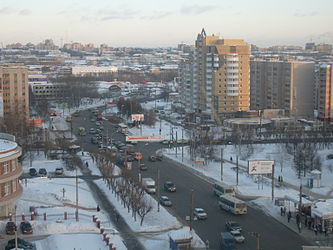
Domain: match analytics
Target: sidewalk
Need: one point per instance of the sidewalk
(308, 234)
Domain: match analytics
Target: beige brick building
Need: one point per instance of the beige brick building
(15, 91)
(287, 85)
(217, 76)
(325, 92)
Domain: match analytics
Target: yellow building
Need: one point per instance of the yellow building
(217, 76)
(15, 91)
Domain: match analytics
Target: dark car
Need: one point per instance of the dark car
(21, 243)
(26, 227)
(143, 167)
(169, 186)
(159, 157)
(232, 226)
(32, 171)
(10, 227)
(42, 171)
(152, 158)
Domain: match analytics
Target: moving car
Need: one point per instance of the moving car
(143, 167)
(10, 227)
(59, 171)
(32, 171)
(152, 158)
(239, 238)
(169, 186)
(165, 201)
(26, 227)
(200, 213)
(232, 226)
(42, 171)
(21, 244)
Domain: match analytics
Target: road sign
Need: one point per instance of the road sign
(260, 167)
(155, 138)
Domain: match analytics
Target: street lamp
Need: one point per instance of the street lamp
(15, 207)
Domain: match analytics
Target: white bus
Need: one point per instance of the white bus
(232, 204)
(222, 188)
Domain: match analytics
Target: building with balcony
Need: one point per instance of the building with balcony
(15, 91)
(215, 80)
(10, 171)
(324, 76)
(287, 85)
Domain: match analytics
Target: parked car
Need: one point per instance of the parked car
(200, 213)
(143, 167)
(59, 171)
(10, 227)
(42, 171)
(92, 131)
(21, 244)
(152, 158)
(165, 201)
(239, 238)
(26, 227)
(169, 186)
(32, 171)
(232, 226)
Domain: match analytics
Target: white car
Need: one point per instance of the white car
(200, 213)
(239, 238)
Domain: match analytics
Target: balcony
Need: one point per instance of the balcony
(233, 64)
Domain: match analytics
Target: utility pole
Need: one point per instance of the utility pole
(176, 144)
(300, 208)
(158, 189)
(182, 145)
(77, 196)
(272, 182)
(191, 209)
(237, 168)
(257, 235)
(221, 164)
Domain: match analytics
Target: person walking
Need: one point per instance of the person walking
(284, 211)
(281, 211)
(98, 208)
(315, 230)
(289, 216)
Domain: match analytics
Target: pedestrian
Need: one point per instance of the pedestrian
(230, 158)
(281, 210)
(98, 209)
(207, 244)
(289, 216)
(284, 211)
(281, 179)
(315, 230)
(298, 219)
(309, 224)
(326, 231)
(306, 221)
(117, 217)
(87, 164)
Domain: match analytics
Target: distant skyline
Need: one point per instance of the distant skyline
(153, 23)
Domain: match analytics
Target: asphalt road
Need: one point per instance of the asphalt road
(273, 235)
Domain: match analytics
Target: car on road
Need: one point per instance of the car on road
(59, 171)
(152, 158)
(26, 227)
(159, 157)
(32, 171)
(200, 213)
(143, 167)
(10, 227)
(93, 120)
(170, 186)
(42, 171)
(239, 238)
(165, 201)
(232, 226)
(165, 142)
(21, 244)
(98, 123)
(92, 131)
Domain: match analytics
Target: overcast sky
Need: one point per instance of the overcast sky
(161, 23)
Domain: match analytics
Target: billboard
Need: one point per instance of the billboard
(156, 138)
(260, 167)
(137, 117)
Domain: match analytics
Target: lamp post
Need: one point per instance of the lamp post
(15, 207)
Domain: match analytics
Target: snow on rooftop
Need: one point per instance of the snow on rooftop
(324, 209)
(6, 145)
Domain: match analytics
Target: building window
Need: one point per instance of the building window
(14, 185)
(5, 167)
(7, 188)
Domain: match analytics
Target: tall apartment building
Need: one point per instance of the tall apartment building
(15, 91)
(216, 78)
(325, 92)
(287, 85)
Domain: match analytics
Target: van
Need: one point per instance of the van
(227, 241)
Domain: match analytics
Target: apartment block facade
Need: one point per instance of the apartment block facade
(215, 80)
(287, 85)
(324, 76)
(15, 91)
